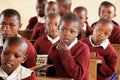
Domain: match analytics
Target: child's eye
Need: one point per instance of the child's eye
(16, 56)
(72, 31)
(6, 53)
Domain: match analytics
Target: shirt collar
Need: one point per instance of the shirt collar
(53, 40)
(18, 74)
(73, 43)
(84, 27)
(41, 19)
(104, 44)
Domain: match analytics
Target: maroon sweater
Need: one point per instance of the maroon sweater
(38, 31)
(108, 57)
(31, 55)
(32, 77)
(42, 45)
(74, 63)
(32, 22)
(115, 35)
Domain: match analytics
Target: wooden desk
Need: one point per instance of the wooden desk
(53, 78)
(93, 68)
(117, 48)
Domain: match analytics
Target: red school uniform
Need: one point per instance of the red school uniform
(107, 54)
(43, 44)
(38, 31)
(32, 22)
(74, 63)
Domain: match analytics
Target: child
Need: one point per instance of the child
(107, 10)
(85, 29)
(13, 54)
(40, 7)
(101, 48)
(64, 6)
(43, 44)
(70, 57)
(39, 29)
(10, 23)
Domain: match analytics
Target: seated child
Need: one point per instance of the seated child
(108, 10)
(100, 48)
(70, 57)
(40, 6)
(43, 44)
(13, 54)
(39, 28)
(10, 23)
(85, 29)
(64, 6)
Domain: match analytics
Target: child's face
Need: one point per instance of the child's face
(51, 9)
(101, 32)
(40, 6)
(11, 57)
(64, 8)
(68, 31)
(82, 16)
(107, 12)
(52, 27)
(9, 26)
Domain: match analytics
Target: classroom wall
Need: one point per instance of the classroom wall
(27, 8)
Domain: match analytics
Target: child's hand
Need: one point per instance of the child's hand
(62, 47)
(92, 55)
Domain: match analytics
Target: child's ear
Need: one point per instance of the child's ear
(24, 59)
(20, 25)
(115, 15)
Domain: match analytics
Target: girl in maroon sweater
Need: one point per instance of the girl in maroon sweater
(43, 44)
(70, 57)
(100, 48)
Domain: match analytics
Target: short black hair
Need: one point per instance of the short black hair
(72, 17)
(11, 12)
(106, 3)
(80, 8)
(14, 40)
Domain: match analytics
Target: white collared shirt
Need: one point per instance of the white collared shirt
(84, 27)
(53, 40)
(41, 19)
(73, 43)
(18, 74)
(104, 44)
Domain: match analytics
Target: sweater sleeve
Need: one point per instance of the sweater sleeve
(76, 66)
(107, 68)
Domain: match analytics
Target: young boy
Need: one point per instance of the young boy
(101, 48)
(40, 7)
(39, 29)
(43, 44)
(12, 56)
(85, 29)
(10, 23)
(108, 10)
(64, 6)
(70, 57)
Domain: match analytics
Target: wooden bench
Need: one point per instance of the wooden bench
(117, 48)
(26, 33)
(93, 68)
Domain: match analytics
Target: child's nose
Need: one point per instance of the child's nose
(11, 57)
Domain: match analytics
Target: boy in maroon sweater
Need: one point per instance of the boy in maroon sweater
(43, 44)
(108, 10)
(10, 23)
(39, 28)
(85, 29)
(40, 7)
(70, 57)
(101, 48)
(12, 56)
